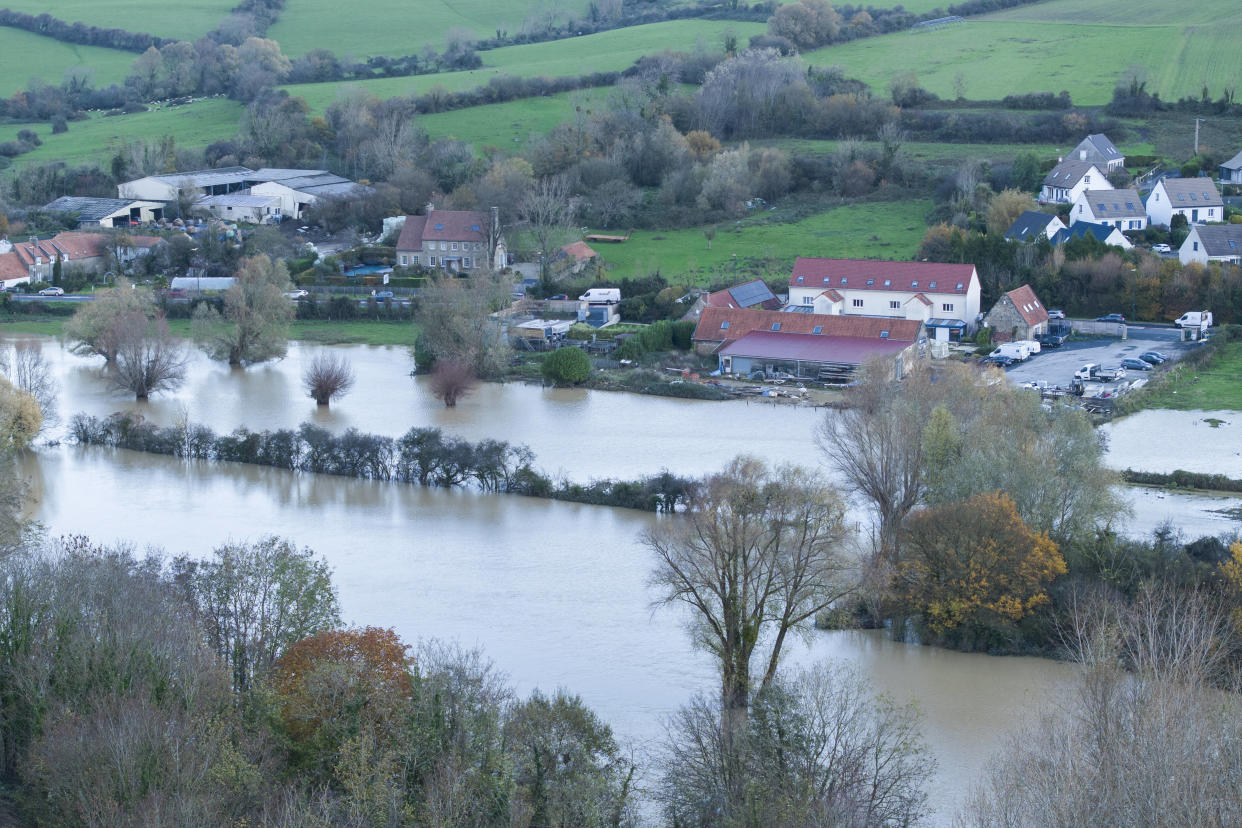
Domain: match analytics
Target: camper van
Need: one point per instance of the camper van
(1194, 319)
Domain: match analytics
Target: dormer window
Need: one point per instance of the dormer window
(888, 282)
(844, 280)
(870, 282)
(931, 285)
(819, 329)
(960, 286)
(827, 280)
(776, 326)
(439, 226)
(724, 326)
(800, 280)
(883, 334)
(914, 284)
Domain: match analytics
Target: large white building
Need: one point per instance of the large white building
(1122, 209)
(295, 189)
(1195, 198)
(944, 297)
(1070, 179)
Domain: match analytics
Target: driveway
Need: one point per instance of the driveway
(1057, 365)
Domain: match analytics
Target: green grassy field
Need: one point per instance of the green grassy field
(27, 56)
(357, 332)
(1216, 386)
(923, 151)
(603, 52)
(509, 126)
(187, 21)
(1132, 12)
(193, 125)
(884, 230)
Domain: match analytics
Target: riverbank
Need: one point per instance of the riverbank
(1208, 379)
(324, 332)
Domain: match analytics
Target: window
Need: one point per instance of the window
(800, 280)
(808, 300)
(439, 226)
(466, 262)
(1086, 179)
(405, 260)
(443, 246)
(818, 329)
(914, 284)
(724, 326)
(776, 326)
(931, 285)
(1157, 195)
(433, 261)
(844, 280)
(414, 259)
(454, 245)
(947, 308)
(1196, 245)
(888, 283)
(858, 303)
(1233, 244)
(870, 282)
(960, 286)
(883, 334)
(1211, 211)
(894, 304)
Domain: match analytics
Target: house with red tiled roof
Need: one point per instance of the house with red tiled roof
(459, 241)
(572, 258)
(804, 345)
(1018, 314)
(944, 297)
(92, 252)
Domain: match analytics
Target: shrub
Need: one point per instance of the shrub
(567, 365)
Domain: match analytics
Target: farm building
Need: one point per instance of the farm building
(165, 188)
(300, 192)
(108, 212)
(572, 258)
(1032, 224)
(1018, 314)
(1212, 243)
(1195, 198)
(252, 209)
(944, 297)
(1121, 208)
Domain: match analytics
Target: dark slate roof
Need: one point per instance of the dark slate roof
(1028, 225)
(1082, 229)
(89, 209)
(866, 274)
(1104, 147)
(747, 295)
(848, 350)
(1069, 172)
(1220, 239)
(1233, 163)
(1114, 203)
(1028, 305)
(1192, 192)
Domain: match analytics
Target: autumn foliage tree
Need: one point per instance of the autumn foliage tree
(974, 568)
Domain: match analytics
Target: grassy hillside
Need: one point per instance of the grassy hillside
(509, 126)
(885, 230)
(27, 56)
(187, 21)
(1081, 46)
(194, 125)
(602, 52)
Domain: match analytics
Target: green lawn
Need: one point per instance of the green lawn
(1216, 386)
(193, 125)
(27, 56)
(882, 230)
(186, 21)
(604, 52)
(360, 332)
(1131, 12)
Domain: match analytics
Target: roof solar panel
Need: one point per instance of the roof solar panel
(752, 293)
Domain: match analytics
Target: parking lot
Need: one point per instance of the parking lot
(1056, 366)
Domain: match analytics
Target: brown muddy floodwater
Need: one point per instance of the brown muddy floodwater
(555, 593)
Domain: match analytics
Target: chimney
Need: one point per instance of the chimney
(1082, 155)
(430, 206)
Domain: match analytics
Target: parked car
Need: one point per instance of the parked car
(1133, 364)
(1000, 360)
(297, 294)
(1154, 357)
(52, 291)
(1051, 340)
(1161, 248)
(380, 296)
(559, 296)
(1110, 317)
(1056, 314)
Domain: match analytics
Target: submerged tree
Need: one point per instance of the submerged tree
(93, 328)
(28, 369)
(255, 324)
(451, 380)
(149, 359)
(758, 555)
(455, 318)
(328, 376)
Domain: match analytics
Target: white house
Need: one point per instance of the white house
(1212, 243)
(1100, 151)
(252, 209)
(1122, 209)
(1195, 198)
(1069, 179)
(1231, 170)
(944, 297)
(1031, 225)
(108, 212)
(1106, 233)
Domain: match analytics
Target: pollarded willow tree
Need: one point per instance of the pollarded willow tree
(758, 554)
(149, 359)
(254, 326)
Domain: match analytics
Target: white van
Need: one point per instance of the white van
(1194, 319)
(1030, 344)
(1012, 350)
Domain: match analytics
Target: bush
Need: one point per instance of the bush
(567, 365)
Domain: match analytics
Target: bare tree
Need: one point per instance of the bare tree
(29, 371)
(93, 326)
(451, 380)
(255, 324)
(456, 322)
(547, 212)
(328, 376)
(758, 555)
(149, 359)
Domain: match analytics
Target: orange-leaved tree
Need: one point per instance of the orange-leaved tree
(975, 564)
(336, 685)
(1231, 574)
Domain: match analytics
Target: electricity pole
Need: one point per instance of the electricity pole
(1197, 122)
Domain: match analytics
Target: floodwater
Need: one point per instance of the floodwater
(555, 593)
(1164, 441)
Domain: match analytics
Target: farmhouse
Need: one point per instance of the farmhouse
(1069, 179)
(944, 297)
(1121, 208)
(108, 212)
(1231, 170)
(1195, 198)
(252, 209)
(1100, 151)
(94, 252)
(1212, 243)
(1031, 225)
(464, 241)
(1104, 233)
(1018, 314)
(807, 346)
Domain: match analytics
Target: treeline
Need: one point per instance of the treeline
(1182, 479)
(422, 456)
(1004, 127)
(57, 29)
